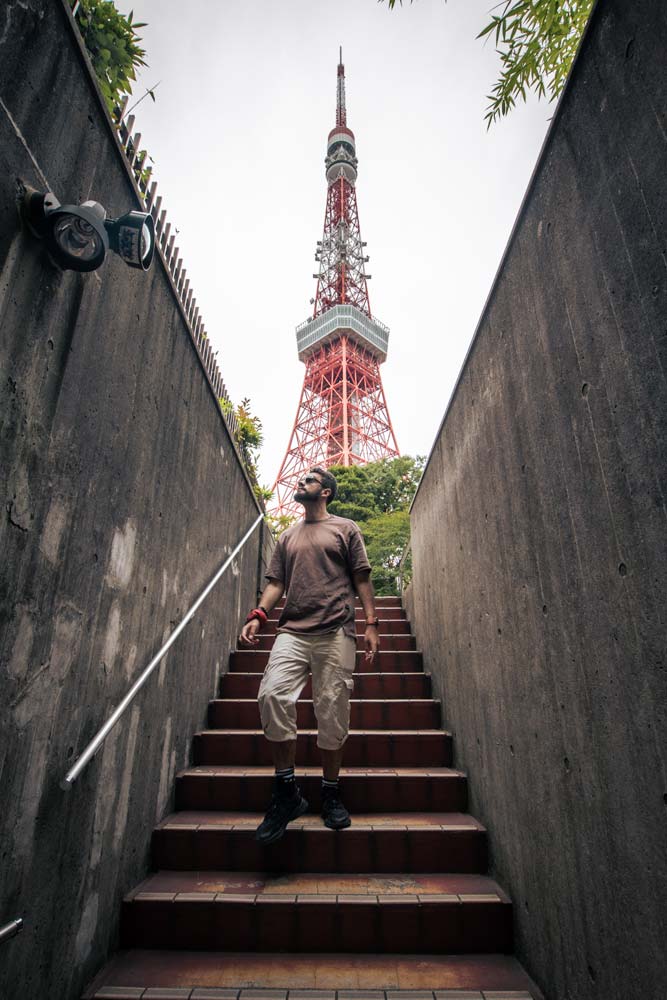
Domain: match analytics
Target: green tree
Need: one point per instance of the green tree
(376, 488)
(395, 482)
(537, 41)
(377, 496)
(386, 536)
(355, 497)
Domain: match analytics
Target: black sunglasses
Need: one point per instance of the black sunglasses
(312, 479)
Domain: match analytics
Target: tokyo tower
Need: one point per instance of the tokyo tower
(342, 417)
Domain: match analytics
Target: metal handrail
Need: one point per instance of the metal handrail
(401, 566)
(102, 733)
(11, 930)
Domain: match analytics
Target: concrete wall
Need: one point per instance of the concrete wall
(122, 493)
(540, 568)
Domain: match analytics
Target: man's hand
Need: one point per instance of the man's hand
(364, 588)
(371, 642)
(249, 632)
(270, 597)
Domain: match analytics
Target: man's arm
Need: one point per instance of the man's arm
(270, 597)
(364, 588)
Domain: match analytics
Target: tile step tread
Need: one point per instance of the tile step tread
(386, 606)
(385, 620)
(404, 653)
(385, 626)
(367, 673)
(309, 701)
(381, 604)
(385, 634)
(389, 888)
(238, 771)
(196, 819)
(352, 732)
(391, 702)
(393, 662)
(360, 632)
(486, 977)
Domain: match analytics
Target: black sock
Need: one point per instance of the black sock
(285, 780)
(329, 787)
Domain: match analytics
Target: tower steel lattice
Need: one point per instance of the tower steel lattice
(342, 417)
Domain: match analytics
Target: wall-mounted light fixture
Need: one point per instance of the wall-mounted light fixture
(78, 236)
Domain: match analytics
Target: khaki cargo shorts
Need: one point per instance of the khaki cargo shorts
(330, 659)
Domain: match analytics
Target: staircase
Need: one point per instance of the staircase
(397, 906)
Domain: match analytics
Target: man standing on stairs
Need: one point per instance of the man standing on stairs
(318, 564)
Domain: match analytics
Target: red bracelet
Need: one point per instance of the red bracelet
(258, 613)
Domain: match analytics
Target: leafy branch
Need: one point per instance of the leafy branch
(537, 41)
(249, 436)
(149, 92)
(113, 45)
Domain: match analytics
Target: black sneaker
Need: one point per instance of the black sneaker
(334, 813)
(282, 810)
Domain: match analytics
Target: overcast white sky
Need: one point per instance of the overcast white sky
(238, 134)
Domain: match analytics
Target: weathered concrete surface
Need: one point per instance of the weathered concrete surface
(121, 494)
(540, 568)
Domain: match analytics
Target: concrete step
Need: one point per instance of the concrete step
(365, 913)
(253, 661)
(363, 789)
(444, 923)
(219, 975)
(387, 602)
(399, 713)
(366, 685)
(384, 613)
(393, 601)
(376, 842)
(386, 627)
(364, 748)
(388, 640)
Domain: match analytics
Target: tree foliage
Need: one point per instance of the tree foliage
(355, 498)
(377, 496)
(280, 522)
(113, 46)
(386, 536)
(536, 41)
(376, 488)
(249, 436)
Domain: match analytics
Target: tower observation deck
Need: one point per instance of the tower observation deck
(342, 416)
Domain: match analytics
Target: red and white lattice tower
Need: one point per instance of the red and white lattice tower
(342, 417)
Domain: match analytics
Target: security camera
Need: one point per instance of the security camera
(78, 236)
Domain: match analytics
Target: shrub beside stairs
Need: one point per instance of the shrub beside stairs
(398, 906)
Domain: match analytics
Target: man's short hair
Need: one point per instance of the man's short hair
(328, 482)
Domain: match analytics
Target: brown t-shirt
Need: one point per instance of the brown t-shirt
(315, 562)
